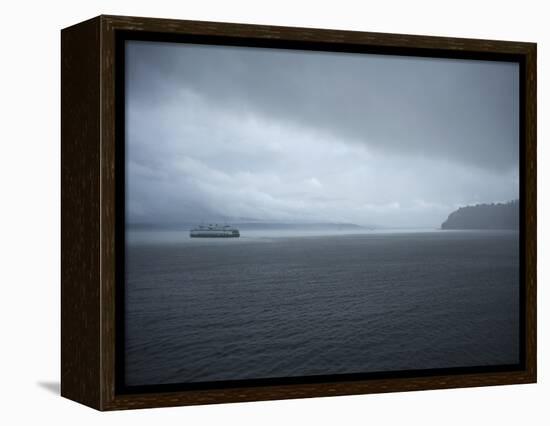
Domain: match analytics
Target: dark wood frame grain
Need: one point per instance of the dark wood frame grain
(89, 206)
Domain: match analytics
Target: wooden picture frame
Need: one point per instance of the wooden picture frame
(91, 248)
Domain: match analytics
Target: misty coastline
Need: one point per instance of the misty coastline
(479, 217)
(181, 235)
(484, 216)
(251, 225)
(487, 218)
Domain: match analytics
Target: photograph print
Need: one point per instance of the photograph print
(295, 214)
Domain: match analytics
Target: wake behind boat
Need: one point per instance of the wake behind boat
(214, 231)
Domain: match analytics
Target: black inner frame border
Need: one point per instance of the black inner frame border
(121, 36)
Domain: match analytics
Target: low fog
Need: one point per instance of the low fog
(241, 134)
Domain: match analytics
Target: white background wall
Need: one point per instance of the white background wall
(30, 212)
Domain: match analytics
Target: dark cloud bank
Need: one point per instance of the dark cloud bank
(279, 135)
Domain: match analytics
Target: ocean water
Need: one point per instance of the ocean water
(280, 304)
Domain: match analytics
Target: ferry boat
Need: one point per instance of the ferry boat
(214, 231)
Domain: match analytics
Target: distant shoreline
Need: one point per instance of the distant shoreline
(500, 216)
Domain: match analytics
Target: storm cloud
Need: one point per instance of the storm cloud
(279, 135)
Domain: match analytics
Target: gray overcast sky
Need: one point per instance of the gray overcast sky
(280, 135)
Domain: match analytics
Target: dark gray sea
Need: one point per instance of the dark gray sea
(277, 305)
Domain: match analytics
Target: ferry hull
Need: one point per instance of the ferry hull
(213, 235)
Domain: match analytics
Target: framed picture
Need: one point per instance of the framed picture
(254, 212)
